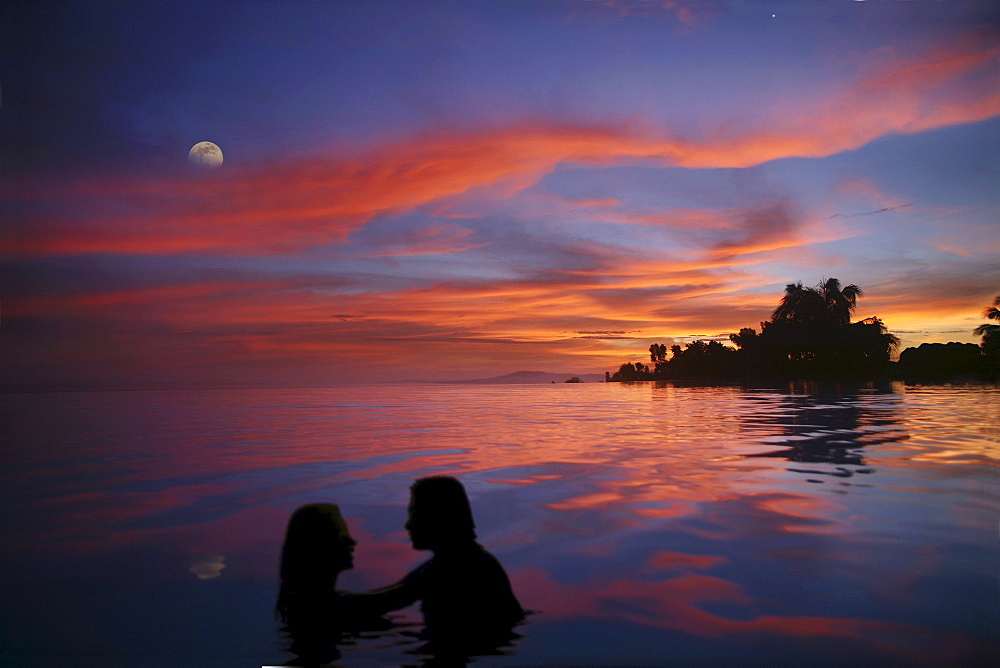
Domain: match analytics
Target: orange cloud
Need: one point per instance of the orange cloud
(320, 201)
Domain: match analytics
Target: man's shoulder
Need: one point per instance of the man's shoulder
(422, 571)
(472, 556)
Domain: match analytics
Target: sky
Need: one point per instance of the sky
(448, 190)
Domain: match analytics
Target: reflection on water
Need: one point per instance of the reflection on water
(827, 427)
(643, 523)
(208, 567)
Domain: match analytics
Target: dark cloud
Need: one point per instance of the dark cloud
(869, 213)
(73, 276)
(660, 301)
(761, 227)
(412, 234)
(539, 252)
(665, 188)
(465, 337)
(606, 337)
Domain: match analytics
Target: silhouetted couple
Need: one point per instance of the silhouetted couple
(465, 596)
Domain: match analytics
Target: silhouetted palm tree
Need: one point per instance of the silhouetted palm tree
(993, 313)
(840, 302)
(875, 338)
(825, 304)
(991, 338)
(799, 304)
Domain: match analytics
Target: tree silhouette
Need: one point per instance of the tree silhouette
(991, 338)
(810, 334)
(700, 359)
(658, 356)
(747, 338)
(826, 304)
(657, 352)
(630, 372)
(988, 328)
(941, 361)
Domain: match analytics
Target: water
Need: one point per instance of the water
(645, 524)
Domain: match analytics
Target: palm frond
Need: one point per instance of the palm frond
(986, 329)
(852, 292)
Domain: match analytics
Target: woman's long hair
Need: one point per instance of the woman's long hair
(316, 549)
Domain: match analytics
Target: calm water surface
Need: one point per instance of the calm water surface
(645, 524)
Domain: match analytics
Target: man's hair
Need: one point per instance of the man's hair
(440, 504)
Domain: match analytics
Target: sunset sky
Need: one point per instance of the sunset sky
(424, 190)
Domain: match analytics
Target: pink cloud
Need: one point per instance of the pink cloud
(682, 12)
(669, 560)
(320, 201)
(439, 239)
(676, 604)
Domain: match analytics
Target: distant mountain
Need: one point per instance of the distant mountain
(530, 378)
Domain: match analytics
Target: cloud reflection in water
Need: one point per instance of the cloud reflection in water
(679, 522)
(208, 567)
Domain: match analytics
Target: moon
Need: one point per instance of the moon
(206, 154)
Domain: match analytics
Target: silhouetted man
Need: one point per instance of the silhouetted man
(465, 595)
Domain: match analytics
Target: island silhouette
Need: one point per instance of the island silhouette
(529, 378)
(811, 335)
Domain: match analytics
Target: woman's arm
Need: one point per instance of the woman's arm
(382, 600)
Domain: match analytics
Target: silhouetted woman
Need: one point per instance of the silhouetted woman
(317, 548)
